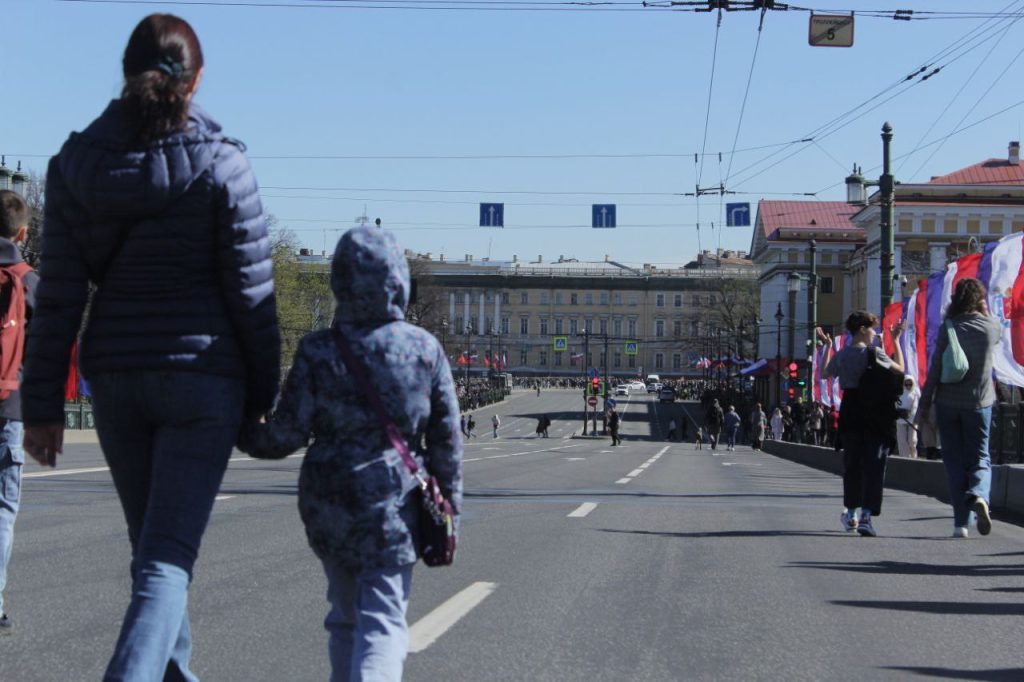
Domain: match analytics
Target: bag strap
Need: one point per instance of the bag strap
(362, 376)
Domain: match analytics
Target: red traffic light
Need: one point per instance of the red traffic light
(792, 367)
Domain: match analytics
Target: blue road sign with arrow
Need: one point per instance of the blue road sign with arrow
(492, 215)
(737, 215)
(603, 215)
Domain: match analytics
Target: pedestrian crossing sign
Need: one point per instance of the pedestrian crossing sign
(560, 343)
(631, 347)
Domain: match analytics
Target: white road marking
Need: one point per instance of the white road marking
(490, 448)
(65, 472)
(575, 459)
(426, 630)
(645, 465)
(623, 480)
(224, 497)
(583, 510)
(662, 451)
(635, 472)
(527, 452)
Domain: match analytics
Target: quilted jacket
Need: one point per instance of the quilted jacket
(172, 235)
(354, 491)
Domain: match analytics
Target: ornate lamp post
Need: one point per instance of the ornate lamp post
(857, 194)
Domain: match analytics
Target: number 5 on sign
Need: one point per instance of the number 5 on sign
(831, 30)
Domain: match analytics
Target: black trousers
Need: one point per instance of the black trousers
(864, 459)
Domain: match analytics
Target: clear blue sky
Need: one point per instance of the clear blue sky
(329, 81)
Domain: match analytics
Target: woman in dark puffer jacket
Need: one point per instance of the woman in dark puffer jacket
(159, 211)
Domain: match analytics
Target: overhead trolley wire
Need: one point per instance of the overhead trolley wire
(746, 93)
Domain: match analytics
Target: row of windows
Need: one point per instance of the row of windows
(551, 359)
(660, 300)
(616, 327)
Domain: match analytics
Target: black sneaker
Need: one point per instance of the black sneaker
(6, 626)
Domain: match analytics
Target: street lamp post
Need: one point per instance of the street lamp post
(490, 355)
(444, 336)
(586, 351)
(778, 354)
(469, 358)
(812, 316)
(793, 287)
(856, 194)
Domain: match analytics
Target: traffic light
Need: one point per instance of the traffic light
(792, 370)
(595, 386)
(791, 393)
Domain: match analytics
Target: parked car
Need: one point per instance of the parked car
(622, 389)
(667, 395)
(637, 385)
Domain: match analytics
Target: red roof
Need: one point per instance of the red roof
(990, 172)
(823, 215)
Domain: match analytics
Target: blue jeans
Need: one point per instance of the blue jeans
(964, 435)
(167, 437)
(12, 459)
(730, 436)
(368, 634)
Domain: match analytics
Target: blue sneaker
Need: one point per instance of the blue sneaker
(864, 527)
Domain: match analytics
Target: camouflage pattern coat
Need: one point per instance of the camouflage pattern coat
(355, 494)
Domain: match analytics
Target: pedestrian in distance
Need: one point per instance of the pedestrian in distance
(698, 438)
(462, 426)
(777, 424)
(871, 382)
(713, 419)
(906, 412)
(18, 283)
(495, 423)
(613, 425)
(963, 407)
(672, 429)
(471, 426)
(758, 424)
(732, 425)
(357, 499)
(153, 214)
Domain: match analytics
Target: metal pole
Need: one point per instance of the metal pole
(778, 354)
(886, 185)
(604, 413)
(812, 317)
(586, 350)
(469, 355)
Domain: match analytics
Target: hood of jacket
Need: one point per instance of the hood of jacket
(113, 177)
(369, 277)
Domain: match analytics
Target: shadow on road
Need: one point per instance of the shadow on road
(1009, 674)
(508, 492)
(731, 533)
(941, 608)
(912, 568)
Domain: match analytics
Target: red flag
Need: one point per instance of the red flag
(1017, 316)
(71, 385)
(893, 313)
(487, 362)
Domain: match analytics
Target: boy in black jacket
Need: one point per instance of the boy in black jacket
(14, 216)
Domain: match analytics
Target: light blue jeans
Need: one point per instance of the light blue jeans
(964, 435)
(167, 437)
(12, 460)
(368, 635)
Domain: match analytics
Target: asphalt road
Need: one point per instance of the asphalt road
(577, 561)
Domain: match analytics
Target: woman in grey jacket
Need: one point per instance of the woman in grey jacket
(157, 212)
(963, 410)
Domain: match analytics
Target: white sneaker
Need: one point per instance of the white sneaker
(960, 531)
(980, 507)
(849, 520)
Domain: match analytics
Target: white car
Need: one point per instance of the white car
(622, 389)
(637, 386)
(653, 388)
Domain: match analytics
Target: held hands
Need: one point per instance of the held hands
(44, 443)
(897, 329)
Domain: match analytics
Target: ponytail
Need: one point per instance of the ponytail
(161, 62)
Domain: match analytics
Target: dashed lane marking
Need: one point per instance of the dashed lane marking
(635, 472)
(221, 498)
(426, 630)
(583, 510)
(622, 481)
(528, 452)
(96, 470)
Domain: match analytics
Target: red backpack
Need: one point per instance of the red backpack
(13, 314)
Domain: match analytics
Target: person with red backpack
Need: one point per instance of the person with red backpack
(17, 286)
